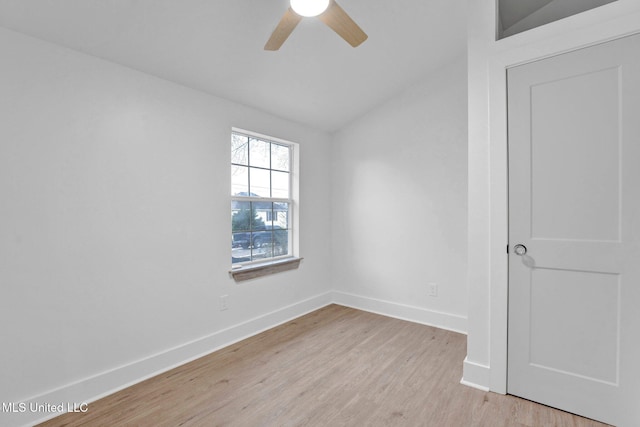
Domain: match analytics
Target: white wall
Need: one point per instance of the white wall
(399, 203)
(114, 225)
(486, 362)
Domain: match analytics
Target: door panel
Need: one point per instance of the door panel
(591, 355)
(574, 202)
(574, 161)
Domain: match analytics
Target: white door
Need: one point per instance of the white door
(574, 206)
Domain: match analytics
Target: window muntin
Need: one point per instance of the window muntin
(261, 202)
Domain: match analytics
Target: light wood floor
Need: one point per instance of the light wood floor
(334, 367)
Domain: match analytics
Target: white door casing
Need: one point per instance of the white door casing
(574, 203)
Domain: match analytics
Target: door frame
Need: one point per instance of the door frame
(610, 22)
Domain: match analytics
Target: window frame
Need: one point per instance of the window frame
(251, 269)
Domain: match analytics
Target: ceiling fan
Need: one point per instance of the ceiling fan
(328, 11)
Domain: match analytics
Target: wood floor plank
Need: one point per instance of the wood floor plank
(334, 367)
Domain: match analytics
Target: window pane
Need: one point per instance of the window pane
(259, 153)
(239, 181)
(279, 157)
(239, 149)
(261, 240)
(241, 215)
(281, 215)
(280, 242)
(240, 241)
(280, 184)
(263, 212)
(239, 254)
(260, 182)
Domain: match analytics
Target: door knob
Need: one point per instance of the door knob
(520, 249)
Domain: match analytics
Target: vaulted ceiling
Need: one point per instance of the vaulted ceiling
(216, 46)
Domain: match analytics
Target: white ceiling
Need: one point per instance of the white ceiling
(216, 46)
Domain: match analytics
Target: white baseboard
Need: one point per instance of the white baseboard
(451, 322)
(105, 383)
(476, 375)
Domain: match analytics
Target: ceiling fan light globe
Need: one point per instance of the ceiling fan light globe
(309, 8)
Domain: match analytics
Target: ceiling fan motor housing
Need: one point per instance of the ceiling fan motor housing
(309, 7)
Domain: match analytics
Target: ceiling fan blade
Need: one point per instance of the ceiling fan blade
(283, 30)
(339, 21)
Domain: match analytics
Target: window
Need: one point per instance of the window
(516, 16)
(261, 198)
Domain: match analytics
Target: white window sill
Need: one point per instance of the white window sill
(253, 271)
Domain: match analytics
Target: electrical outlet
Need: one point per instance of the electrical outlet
(433, 289)
(223, 302)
